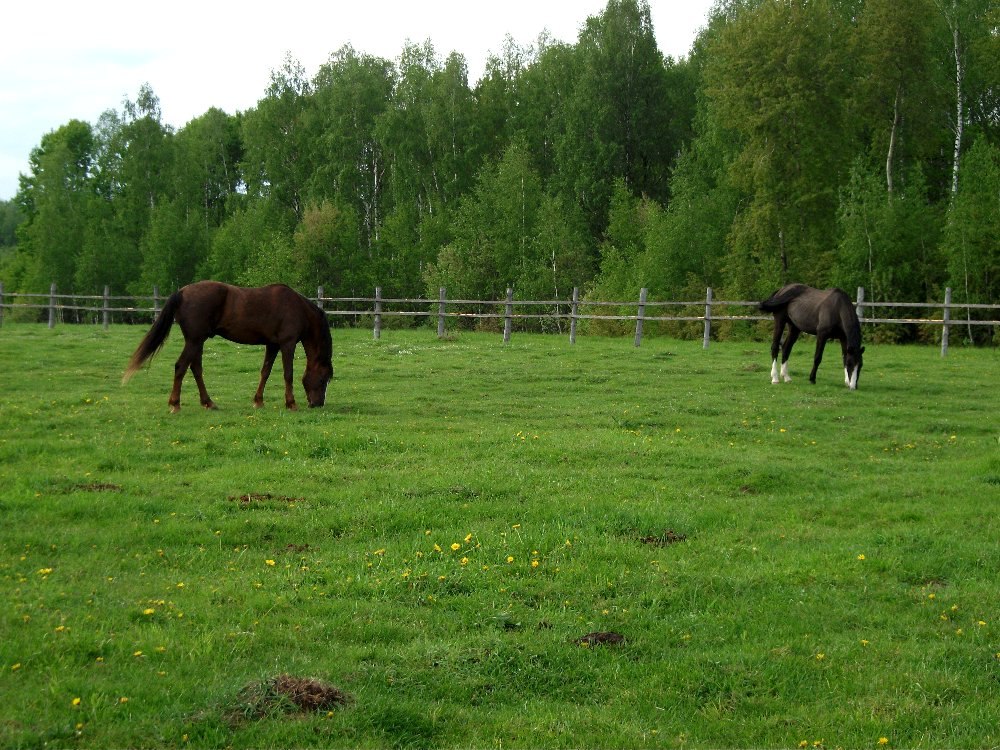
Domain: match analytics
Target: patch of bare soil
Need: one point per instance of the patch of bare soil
(602, 638)
(251, 498)
(97, 487)
(286, 694)
(668, 537)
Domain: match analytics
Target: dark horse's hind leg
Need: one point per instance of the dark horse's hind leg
(780, 321)
(190, 357)
(265, 372)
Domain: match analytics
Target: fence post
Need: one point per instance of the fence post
(156, 301)
(1, 303)
(106, 312)
(52, 305)
(638, 317)
(441, 299)
(947, 319)
(708, 319)
(507, 315)
(573, 313)
(860, 307)
(377, 332)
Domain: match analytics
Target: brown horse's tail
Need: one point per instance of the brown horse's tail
(153, 341)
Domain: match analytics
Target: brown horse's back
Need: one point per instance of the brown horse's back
(269, 314)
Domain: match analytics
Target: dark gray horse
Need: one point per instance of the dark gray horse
(827, 313)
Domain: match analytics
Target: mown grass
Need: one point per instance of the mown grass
(788, 564)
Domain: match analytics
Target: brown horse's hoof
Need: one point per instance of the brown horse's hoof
(258, 404)
(211, 406)
(292, 406)
(174, 408)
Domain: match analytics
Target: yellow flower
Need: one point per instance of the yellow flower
(534, 563)
(861, 557)
(149, 611)
(820, 657)
(468, 538)
(437, 547)
(455, 546)
(883, 740)
(44, 571)
(123, 699)
(15, 667)
(269, 562)
(137, 653)
(465, 561)
(510, 559)
(76, 702)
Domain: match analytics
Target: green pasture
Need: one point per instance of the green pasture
(791, 565)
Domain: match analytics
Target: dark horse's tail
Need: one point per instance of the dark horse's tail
(153, 341)
(781, 298)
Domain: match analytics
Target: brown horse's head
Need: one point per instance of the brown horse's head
(316, 378)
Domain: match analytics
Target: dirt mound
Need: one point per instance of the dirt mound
(665, 539)
(286, 694)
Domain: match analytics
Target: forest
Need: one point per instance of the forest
(835, 142)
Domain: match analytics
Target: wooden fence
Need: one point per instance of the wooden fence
(565, 315)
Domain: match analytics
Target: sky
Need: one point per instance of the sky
(62, 60)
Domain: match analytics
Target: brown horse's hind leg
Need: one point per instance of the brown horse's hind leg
(287, 357)
(265, 372)
(190, 357)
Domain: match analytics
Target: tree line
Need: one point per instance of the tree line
(834, 142)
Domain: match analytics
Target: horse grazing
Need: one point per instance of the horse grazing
(828, 313)
(275, 316)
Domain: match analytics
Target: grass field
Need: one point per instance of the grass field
(789, 565)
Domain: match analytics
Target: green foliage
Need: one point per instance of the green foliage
(787, 564)
(972, 228)
(800, 141)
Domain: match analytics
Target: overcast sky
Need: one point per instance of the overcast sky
(63, 60)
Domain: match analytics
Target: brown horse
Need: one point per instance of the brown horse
(828, 313)
(274, 316)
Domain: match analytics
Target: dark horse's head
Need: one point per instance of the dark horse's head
(853, 361)
(319, 364)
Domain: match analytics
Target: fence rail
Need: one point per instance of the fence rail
(88, 308)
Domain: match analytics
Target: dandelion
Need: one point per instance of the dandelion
(455, 547)
(465, 561)
(883, 740)
(510, 559)
(932, 596)
(468, 538)
(180, 585)
(149, 611)
(137, 654)
(15, 667)
(269, 563)
(864, 642)
(820, 656)
(76, 703)
(861, 557)
(534, 563)
(123, 699)
(437, 547)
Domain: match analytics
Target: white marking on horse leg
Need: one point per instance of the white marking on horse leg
(784, 372)
(774, 371)
(847, 377)
(853, 382)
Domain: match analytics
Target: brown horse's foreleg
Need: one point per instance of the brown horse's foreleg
(287, 358)
(265, 372)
